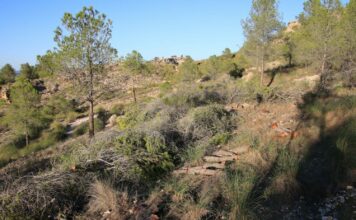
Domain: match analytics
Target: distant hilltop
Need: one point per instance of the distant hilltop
(175, 60)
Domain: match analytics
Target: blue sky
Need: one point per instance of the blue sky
(198, 28)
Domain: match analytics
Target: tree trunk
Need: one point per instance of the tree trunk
(91, 119)
(134, 91)
(27, 138)
(262, 68)
(322, 72)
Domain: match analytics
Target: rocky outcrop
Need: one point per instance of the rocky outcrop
(174, 60)
(292, 26)
(5, 93)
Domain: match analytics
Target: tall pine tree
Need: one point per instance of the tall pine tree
(260, 28)
(318, 39)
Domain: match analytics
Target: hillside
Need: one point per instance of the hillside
(251, 134)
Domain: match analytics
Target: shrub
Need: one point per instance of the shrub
(84, 127)
(58, 131)
(189, 70)
(193, 97)
(130, 119)
(148, 150)
(118, 109)
(205, 122)
(165, 87)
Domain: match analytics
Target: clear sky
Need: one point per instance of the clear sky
(198, 28)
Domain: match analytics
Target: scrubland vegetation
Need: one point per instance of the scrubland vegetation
(279, 116)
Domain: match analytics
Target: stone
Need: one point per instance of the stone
(5, 93)
(112, 121)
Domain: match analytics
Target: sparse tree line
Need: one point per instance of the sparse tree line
(325, 39)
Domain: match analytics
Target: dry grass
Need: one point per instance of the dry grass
(106, 202)
(44, 196)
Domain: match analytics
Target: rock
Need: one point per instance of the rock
(5, 93)
(39, 85)
(240, 150)
(112, 121)
(214, 159)
(223, 153)
(292, 26)
(245, 105)
(248, 76)
(309, 79)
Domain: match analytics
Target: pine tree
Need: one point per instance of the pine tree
(7, 74)
(260, 28)
(318, 40)
(23, 115)
(348, 43)
(85, 50)
(134, 63)
(27, 71)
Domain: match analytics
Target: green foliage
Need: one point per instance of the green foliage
(189, 70)
(7, 74)
(58, 131)
(57, 107)
(134, 63)
(118, 109)
(318, 39)
(24, 116)
(260, 28)
(48, 64)
(237, 189)
(149, 151)
(84, 127)
(84, 51)
(130, 119)
(227, 53)
(193, 97)
(347, 41)
(165, 88)
(28, 72)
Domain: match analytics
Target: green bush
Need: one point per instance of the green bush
(148, 150)
(58, 131)
(84, 127)
(118, 109)
(130, 118)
